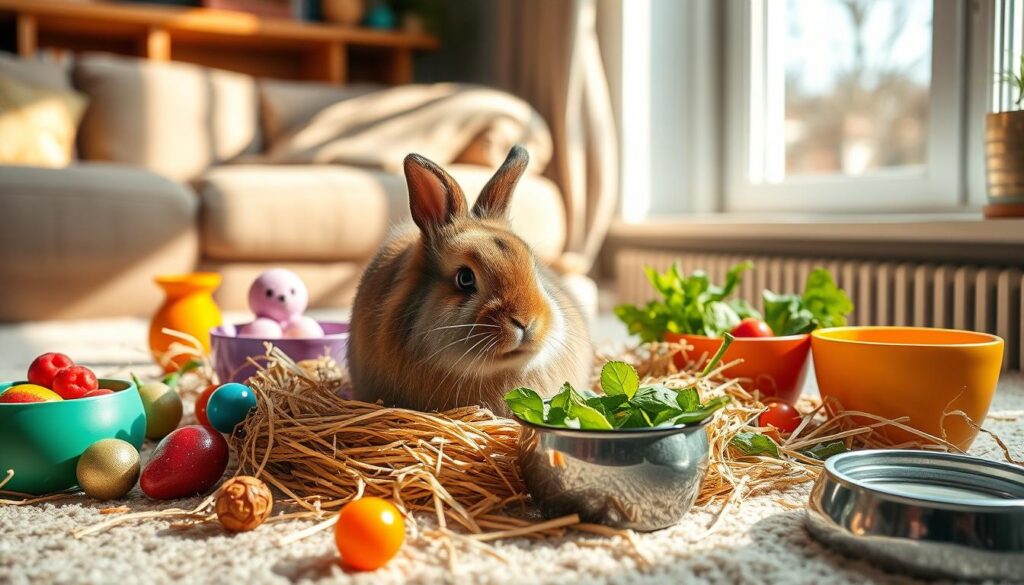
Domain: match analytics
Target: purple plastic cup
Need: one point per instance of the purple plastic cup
(230, 352)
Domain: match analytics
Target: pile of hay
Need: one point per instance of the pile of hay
(323, 450)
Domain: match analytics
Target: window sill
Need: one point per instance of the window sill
(945, 237)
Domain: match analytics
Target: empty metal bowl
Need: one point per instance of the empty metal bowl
(642, 479)
(934, 515)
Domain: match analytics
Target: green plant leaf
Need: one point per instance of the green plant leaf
(555, 417)
(526, 404)
(754, 444)
(561, 400)
(607, 405)
(589, 418)
(688, 304)
(698, 415)
(619, 378)
(654, 399)
(823, 451)
(828, 304)
(688, 399)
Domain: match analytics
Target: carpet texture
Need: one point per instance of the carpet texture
(761, 540)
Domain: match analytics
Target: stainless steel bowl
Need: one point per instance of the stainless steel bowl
(643, 479)
(929, 514)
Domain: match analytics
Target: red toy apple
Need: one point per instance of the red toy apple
(46, 366)
(74, 382)
(187, 462)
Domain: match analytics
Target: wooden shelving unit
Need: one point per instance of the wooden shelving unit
(227, 40)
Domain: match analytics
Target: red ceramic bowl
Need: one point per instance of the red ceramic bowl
(774, 366)
(230, 353)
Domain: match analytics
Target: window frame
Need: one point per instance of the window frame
(938, 185)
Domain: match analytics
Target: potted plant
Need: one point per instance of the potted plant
(1004, 154)
(770, 347)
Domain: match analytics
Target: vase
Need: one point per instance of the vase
(343, 12)
(1004, 164)
(189, 308)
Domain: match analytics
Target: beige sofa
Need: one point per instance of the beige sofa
(170, 178)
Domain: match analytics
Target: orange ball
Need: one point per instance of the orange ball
(201, 403)
(368, 533)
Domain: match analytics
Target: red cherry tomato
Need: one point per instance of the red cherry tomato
(46, 366)
(98, 392)
(782, 416)
(74, 382)
(368, 533)
(751, 327)
(201, 403)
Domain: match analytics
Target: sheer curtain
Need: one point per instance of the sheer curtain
(549, 55)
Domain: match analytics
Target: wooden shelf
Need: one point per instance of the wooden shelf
(230, 40)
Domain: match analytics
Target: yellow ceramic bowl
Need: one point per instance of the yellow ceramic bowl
(916, 372)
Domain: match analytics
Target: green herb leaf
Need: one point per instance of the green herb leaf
(561, 400)
(555, 417)
(654, 399)
(755, 444)
(823, 304)
(823, 451)
(703, 412)
(619, 378)
(607, 405)
(526, 404)
(688, 399)
(828, 303)
(689, 304)
(727, 340)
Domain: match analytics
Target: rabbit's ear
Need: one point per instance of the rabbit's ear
(435, 199)
(497, 193)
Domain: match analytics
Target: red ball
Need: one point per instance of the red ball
(74, 382)
(46, 366)
(187, 462)
(201, 404)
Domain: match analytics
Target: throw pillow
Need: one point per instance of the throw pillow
(38, 125)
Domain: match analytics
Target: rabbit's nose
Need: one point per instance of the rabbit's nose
(524, 329)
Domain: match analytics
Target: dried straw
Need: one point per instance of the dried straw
(322, 450)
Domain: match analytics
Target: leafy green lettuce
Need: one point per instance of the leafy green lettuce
(624, 404)
(823, 304)
(689, 304)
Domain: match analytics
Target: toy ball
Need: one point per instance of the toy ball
(243, 503)
(278, 294)
(262, 327)
(229, 405)
(303, 328)
(163, 409)
(29, 393)
(108, 469)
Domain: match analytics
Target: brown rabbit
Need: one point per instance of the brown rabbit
(460, 311)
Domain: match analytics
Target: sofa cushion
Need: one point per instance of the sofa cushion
(87, 240)
(330, 213)
(36, 72)
(175, 119)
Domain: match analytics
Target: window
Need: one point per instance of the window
(873, 106)
(844, 105)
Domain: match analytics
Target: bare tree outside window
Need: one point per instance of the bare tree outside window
(857, 82)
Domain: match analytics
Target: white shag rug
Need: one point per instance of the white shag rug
(761, 540)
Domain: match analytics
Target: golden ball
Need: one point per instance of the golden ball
(243, 503)
(108, 469)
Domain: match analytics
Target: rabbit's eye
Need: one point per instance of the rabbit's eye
(465, 280)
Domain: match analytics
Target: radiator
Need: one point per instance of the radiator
(977, 298)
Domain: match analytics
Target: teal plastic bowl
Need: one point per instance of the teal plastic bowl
(42, 441)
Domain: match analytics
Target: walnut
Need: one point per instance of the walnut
(243, 503)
